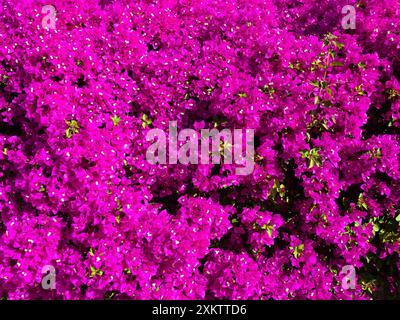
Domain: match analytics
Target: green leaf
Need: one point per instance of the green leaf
(313, 157)
(73, 128)
(362, 65)
(127, 271)
(329, 37)
(393, 94)
(332, 53)
(268, 228)
(277, 189)
(398, 218)
(304, 153)
(338, 45)
(326, 103)
(376, 153)
(95, 272)
(146, 121)
(360, 91)
(337, 64)
(109, 295)
(115, 119)
(318, 161)
(92, 271)
(361, 202)
(389, 236)
(268, 90)
(295, 66)
(298, 250)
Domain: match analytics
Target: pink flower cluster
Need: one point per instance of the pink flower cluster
(77, 193)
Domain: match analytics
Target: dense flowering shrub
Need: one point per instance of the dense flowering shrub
(77, 193)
